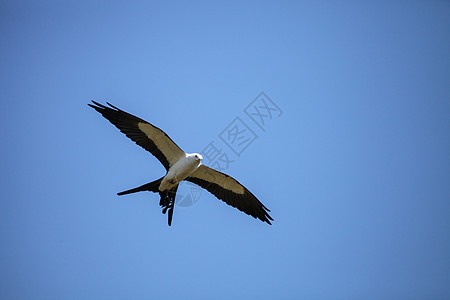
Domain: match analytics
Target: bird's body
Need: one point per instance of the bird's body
(180, 166)
(184, 167)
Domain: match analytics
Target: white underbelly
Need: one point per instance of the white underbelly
(178, 172)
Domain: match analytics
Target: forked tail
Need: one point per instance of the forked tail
(167, 201)
(151, 187)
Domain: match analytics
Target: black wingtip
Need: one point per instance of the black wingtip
(97, 106)
(96, 103)
(101, 107)
(267, 218)
(112, 106)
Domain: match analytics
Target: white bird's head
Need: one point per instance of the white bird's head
(197, 156)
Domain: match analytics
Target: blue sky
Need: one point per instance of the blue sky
(355, 170)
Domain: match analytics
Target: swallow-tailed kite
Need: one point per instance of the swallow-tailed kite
(180, 166)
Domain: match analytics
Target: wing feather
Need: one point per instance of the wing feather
(144, 134)
(229, 190)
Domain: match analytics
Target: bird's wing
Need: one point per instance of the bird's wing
(144, 134)
(230, 191)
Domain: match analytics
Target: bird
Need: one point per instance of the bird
(180, 166)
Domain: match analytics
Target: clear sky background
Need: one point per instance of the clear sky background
(356, 169)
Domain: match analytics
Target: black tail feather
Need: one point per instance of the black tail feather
(151, 187)
(167, 200)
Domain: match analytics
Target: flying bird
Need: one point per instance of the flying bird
(180, 166)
